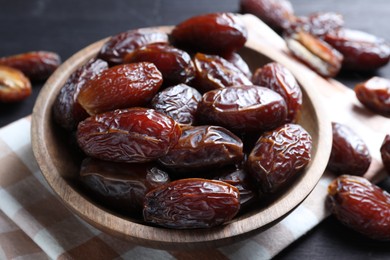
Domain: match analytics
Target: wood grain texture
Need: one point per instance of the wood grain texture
(60, 170)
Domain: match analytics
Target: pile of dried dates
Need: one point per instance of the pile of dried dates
(176, 131)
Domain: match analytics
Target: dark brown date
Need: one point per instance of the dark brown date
(243, 108)
(128, 135)
(36, 65)
(215, 33)
(118, 46)
(279, 156)
(174, 64)
(278, 78)
(203, 147)
(361, 51)
(374, 94)
(14, 86)
(385, 153)
(276, 13)
(121, 186)
(191, 203)
(360, 205)
(179, 102)
(349, 155)
(66, 110)
(122, 86)
(214, 72)
(235, 59)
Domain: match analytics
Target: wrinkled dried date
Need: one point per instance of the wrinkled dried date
(214, 72)
(36, 65)
(118, 46)
(128, 135)
(66, 110)
(215, 33)
(360, 205)
(385, 153)
(174, 64)
(374, 94)
(179, 102)
(191, 203)
(279, 156)
(278, 78)
(243, 108)
(122, 86)
(121, 186)
(14, 86)
(203, 147)
(349, 155)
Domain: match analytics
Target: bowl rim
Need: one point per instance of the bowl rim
(156, 236)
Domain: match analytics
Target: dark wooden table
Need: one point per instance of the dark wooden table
(67, 26)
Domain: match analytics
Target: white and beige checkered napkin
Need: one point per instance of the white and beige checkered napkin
(35, 225)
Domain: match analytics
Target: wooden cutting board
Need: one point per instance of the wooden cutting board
(339, 101)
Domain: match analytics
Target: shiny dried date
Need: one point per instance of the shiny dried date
(214, 72)
(179, 102)
(122, 86)
(174, 64)
(276, 13)
(279, 156)
(374, 94)
(214, 33)
(350, 154)
(278, 78)
(118, 46)
(121, 186)
(361, 51)
(360, 205)
(14, 86)
(191, 203)
(243, 108)
(66, 110)
(203, 147)
(385, 153)
(128, 135)
(36, 65)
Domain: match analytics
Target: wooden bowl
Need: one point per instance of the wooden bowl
(60, 168)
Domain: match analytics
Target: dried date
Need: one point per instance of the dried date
(374, 94)
(385, 153)
(243, 108)
(279, 156)
(14, 86)
(215, 33)
(350, 154)
(122, 86)
(128, 135)
(191, 203)
(179, 102)
(360, 205)
(235, 59)
(278, 78)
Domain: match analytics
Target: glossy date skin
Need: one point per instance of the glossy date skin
(350, 154)
(279, 156)
(67, 111)
(278, 78)
(201, 148)
(179, 102)
(174, 64)
(121, 186)
(191, 203)
(214, 72)
(236, 59)
(121, 86)
(360, 205)
(118, 46)
(214, 33)
(132, 135)
(385, 153)
(374, 94)
(14, 85)
(243, 108)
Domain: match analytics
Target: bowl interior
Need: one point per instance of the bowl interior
(59, 163)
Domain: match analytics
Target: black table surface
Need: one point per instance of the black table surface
(67, 26)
